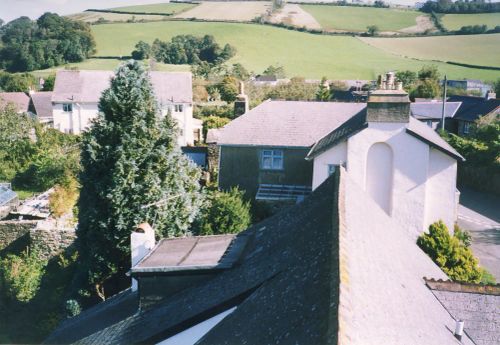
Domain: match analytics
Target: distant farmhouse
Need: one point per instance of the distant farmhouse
(76, 97)
(471, 109)
(282, 150)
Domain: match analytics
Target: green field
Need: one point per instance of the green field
(456, 21)
(107, 65)
(358, 18)
(482, 50)
(166, 8)
(302, 54)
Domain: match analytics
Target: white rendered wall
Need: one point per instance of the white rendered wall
(441, 197)
(410, 159)
(379, 171)
(336, 155)
(79, 120)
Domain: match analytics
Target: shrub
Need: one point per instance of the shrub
(224, 213)
(451, 253)
(72, 308)
(21, 275)
(213, 122)
(63, 199)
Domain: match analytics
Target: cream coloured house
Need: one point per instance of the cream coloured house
(76, 96)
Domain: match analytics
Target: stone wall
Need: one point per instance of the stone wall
(49, 240)
(11, 231)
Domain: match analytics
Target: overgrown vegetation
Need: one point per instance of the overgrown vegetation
(50, 41)
(453, 254)
(20, 276)
(223, 213)
(132, 172)
(21, 82)
(481, 150)
(424, 84)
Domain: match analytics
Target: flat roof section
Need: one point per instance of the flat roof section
(190, 253)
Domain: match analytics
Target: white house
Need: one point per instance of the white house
(76, 96)
(399, 161)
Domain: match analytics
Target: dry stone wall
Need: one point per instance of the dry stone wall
(50, 241)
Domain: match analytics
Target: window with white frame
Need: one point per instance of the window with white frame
(179, 108)
(67, 107)
(271, 159)
(332, 168)
(466, 127)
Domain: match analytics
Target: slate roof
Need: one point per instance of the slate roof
(358, 122)
(478, 306)
(473, 107)
(42, 102)
(315, 273)
(433, 110)
(290, 266)
(20, 100)
(87, 86)
(287, 123)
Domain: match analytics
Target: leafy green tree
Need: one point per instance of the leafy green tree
(142, 51)
(429, 73)
(372, 30)
(20, 276)
(240, 72)
(132, 172)
(17, 82)
(49, 83)
(408, 78)
(453, 256)
(277, 71)
(426, 89)
(323, 93)
(47, 42)
(223, 213)
(228, 89)
(496, 87)
(213, 121)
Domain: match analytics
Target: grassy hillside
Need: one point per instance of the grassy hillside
(483, 50)
(358, 18)
(456, 21)
(166, 8)
(301, 54)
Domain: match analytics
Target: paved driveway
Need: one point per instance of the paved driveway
(480, 214)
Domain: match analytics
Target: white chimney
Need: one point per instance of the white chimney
(459, 329)
(490, 95)
(142, 240)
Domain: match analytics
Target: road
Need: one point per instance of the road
(479, 213)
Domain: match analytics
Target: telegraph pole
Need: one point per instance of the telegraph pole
(444, 102)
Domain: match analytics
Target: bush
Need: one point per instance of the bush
(451, 253)
(64, 197)
(213, 122)
(72, 308)
(21, 275)
(223, 213)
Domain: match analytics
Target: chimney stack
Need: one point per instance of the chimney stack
(390, 103)
(490, 95)
(241, 105)
(142, 240)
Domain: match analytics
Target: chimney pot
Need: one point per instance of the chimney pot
(459, 329)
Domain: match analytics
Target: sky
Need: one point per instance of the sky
(12, 9)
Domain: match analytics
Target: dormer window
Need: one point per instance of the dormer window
(68, 107)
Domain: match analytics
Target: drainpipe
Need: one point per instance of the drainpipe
(444, 102)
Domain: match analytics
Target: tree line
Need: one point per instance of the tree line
(49, 41)
(460, 6)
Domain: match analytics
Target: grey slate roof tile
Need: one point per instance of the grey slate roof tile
(87, 86)
(42, 102)
(20, 100)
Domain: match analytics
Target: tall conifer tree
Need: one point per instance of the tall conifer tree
(132, 172)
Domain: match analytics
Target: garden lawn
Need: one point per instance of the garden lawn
(301, 54)
(456, 21)
(352, 18)
(481, 50)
